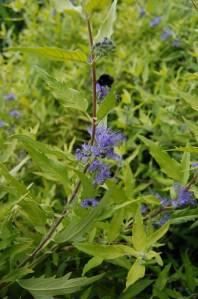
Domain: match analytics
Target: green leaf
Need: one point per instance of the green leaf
(54, 169)
(115, 225)
(162, 278)
(33, 212)
(107, 105)
(168, 165)
(189, 99)
(136, 272)
(136, 288)
(185, 166)
(105, 251)
(20, 189)
(158, 234)
(106, 28)
(75, 231)
(189, 273)
(54, 53)
(94, 5)
(92, 263)
(139, 239)
(43, 287)
(67, 7)
(69, 97)
(89, 191)
(184, 215)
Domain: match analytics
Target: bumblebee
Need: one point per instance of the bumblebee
(105, 80)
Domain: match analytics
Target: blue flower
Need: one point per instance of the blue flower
(102, 91)
(101, 171)
(15, 113)
(142, 12)
(155, 21)
(164, 219)
(144, 208)
(106, 138)
(165, 34)
(2, 124)
(195, 164)
(10, 97)
(89, 202)
(163, 200)
(176, 43)
(184, 198)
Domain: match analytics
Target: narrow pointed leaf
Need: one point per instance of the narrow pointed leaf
(136, 272)
(158, 234)
(139, 239)
(92, 263)
(94, 5)
(54, 53)
(43, 287)
(168, 165)
(67, 7)
(106, 28)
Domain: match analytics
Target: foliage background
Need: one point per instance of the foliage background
(157, 85)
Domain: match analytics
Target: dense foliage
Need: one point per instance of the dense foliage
(98, 200)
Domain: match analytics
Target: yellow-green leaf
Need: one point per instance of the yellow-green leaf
(92, 263)
(67, 7)
(138, 233)
(136, 272)
(168, 165)
(54, 53)
(94, 5)
(106, 28)
(158, 234)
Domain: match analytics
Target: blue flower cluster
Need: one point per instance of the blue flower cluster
(183, 199)
(166, 34)
(105, 141)
(13, 112)
(89, 202)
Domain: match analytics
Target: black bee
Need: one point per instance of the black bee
(105, 80)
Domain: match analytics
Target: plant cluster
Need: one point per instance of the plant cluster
(92, 205)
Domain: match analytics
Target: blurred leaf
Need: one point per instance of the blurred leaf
(105, 251)
(162, 279)
(89, 191)
(185, 166)
(138, 233)
(69, 97)
(189, 273)
(33, 213)
(43, 287)
(156, 235)
(92, 263)
(168, 165)
(107, 105)
(20, 189)
(115, 225)
(54, 169)
(136, 288)
(184, 215)
(94, 5)
(75, 231)
(67, 7)
(136, 272)
(106, 29)
(54, 53)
